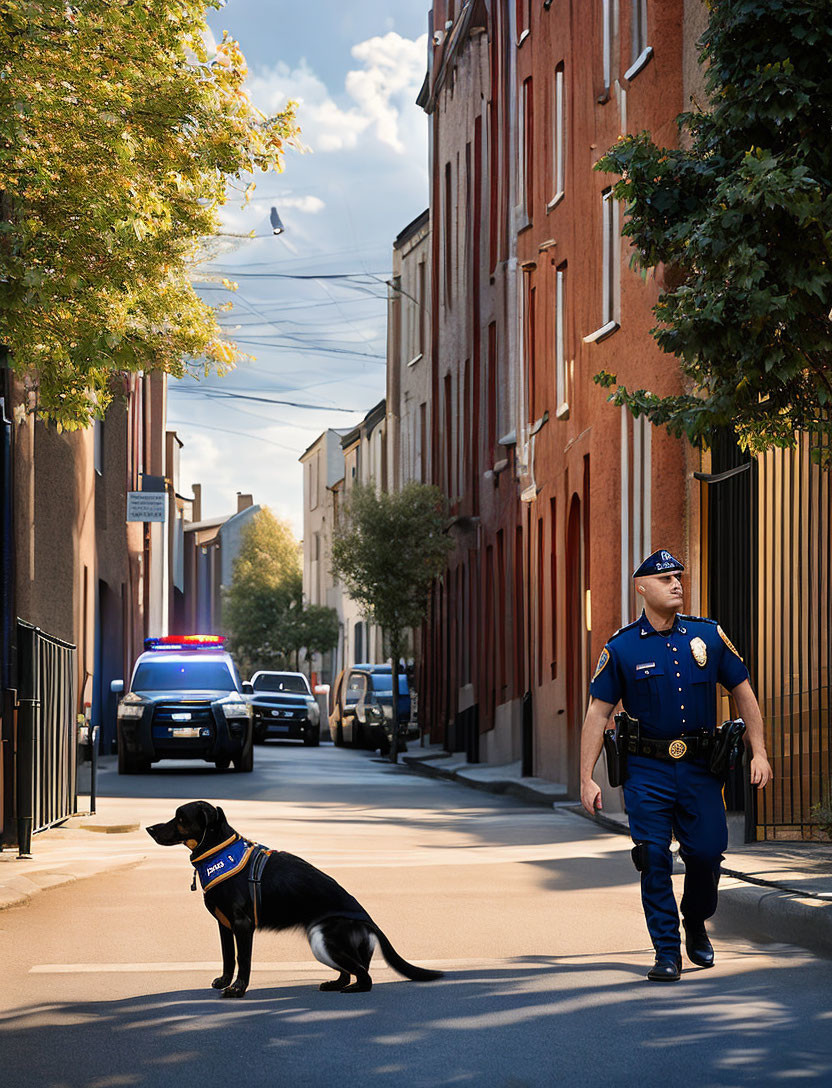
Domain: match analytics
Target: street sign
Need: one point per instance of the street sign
(146, 505)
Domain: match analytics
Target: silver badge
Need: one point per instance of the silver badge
(699, 651)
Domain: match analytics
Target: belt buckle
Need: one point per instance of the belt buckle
(677, 749)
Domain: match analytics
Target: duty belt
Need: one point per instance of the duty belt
(688, 746)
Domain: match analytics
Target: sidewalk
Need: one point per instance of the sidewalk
(83, 846)
(770, 891)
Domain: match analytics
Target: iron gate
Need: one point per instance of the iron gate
(46, 732)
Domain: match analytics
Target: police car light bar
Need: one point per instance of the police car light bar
(185, 642)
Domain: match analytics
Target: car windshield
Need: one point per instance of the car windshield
(279, 681)
(183, 676)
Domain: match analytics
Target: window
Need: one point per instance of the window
(449, 435)
(641, 52)
(423, 442)
(530, 304)
(610, 262)
(493, 386)
(525, 158)
(636, 503)
(558, 136)
(561, 393)
(607, 15)
(522, 13)
(448, 241)
(422, 303)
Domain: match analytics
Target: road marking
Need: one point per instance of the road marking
(509, 964)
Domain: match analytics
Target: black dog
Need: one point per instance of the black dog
(248, 887)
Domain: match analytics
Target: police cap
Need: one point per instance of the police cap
(658, 563)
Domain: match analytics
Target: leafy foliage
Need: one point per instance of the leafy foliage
(260, 605)
(742, 219)
(387, 549)
(263, 609)
(118, 137)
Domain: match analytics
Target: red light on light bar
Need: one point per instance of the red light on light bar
(184, 642)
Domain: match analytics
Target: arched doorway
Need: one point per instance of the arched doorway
(575, 643)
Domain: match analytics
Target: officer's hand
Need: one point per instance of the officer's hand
(761, 772)
(591, 797)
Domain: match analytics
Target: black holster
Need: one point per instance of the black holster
(727, 746)
(615, 747)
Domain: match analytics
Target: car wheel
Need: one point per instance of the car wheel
(128, 764)
(222, 764)
(245, 761)
(384, 745)
(338, 739)
(312, 740)
(260, 733)
(357, 734)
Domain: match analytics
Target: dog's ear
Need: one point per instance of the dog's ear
(209, 812)
(220, 817)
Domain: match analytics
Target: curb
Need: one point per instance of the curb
(19, 891)
(758, 909)
(510, 786)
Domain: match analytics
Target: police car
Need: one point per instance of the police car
(184, 701)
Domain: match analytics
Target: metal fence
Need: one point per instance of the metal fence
(46, 732)
(794, 656)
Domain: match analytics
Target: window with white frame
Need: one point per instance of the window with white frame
(561, 392)
(559, 135)
(636, 503)
(607, 35)
(525, 156)
(611, 247)
(522, 12)
(640, 52)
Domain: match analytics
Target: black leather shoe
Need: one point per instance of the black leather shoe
(699, 949)
(665, 970)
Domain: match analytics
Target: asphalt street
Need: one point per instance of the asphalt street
(534, 915)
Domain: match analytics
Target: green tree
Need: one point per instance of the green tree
(260, 605)
(742, 219)
(119, 137)
(317, 629)
(387, 549)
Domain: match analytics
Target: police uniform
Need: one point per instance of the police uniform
(667, 681)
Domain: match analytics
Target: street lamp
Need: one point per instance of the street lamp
(277, 223)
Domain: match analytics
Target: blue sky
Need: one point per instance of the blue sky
(356, 69)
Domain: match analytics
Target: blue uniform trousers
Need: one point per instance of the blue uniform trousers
(681, 797)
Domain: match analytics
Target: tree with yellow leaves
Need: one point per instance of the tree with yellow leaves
(120, 137)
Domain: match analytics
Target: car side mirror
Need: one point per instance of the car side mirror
(117, 687)
(248, 687)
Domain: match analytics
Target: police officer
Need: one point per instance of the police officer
(664, 668)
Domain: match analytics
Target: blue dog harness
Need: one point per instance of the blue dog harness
(228, 859)
(221, 862)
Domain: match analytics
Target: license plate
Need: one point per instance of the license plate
(185, 731)
(280, 728)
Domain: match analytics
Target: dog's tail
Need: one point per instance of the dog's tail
(409, 970)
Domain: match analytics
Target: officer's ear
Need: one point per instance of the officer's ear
(639, 588)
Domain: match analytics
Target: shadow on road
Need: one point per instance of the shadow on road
(486, 1026)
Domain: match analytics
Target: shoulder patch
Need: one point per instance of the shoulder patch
(603, 661)
(728, 642)
(698, 619)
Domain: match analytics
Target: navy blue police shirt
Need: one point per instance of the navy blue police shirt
(668, 681)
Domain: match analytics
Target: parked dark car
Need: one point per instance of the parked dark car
(361, 708)
(184, 701)
(283, 705)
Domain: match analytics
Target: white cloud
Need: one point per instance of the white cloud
(310, 204)
(391, 74)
